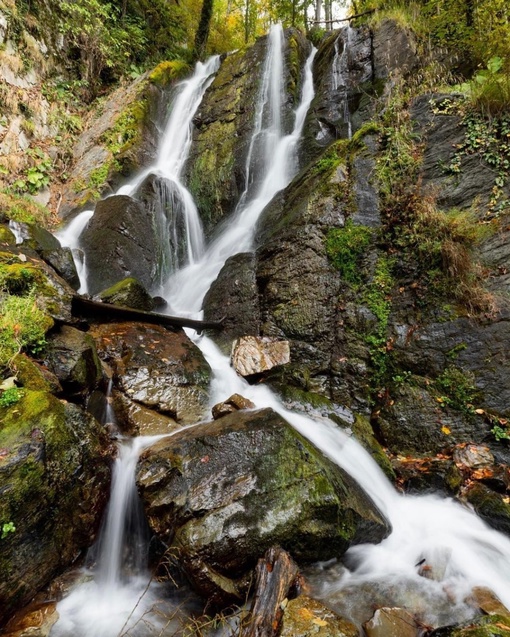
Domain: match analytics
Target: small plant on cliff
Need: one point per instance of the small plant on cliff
(7, 527)
(10, 396)
(346, 247)
(457, 389)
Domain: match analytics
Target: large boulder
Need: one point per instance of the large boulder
(120, 241)
(156, 368)
(54, 477)
(220, 494)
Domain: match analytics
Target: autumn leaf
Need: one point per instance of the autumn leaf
(320, 622)
(446, 430)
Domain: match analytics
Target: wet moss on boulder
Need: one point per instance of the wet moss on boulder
(54, 475)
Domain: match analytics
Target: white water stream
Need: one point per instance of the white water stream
(461, 551)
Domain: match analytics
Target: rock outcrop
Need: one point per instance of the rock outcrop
(218, 495)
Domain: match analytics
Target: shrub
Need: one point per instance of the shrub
(23, 325)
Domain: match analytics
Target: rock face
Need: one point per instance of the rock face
(72, 357)
(159, 369)
(128, 293)
(222, 493)
(54, 476)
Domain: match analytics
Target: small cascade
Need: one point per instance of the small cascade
(278, 169)
(116, 592)
(340, 73)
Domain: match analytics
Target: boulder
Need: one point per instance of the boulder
(483, 626)
(487, 601)
(232, 404)
(492, 507)
(220, 494)
(156, 368)
(255, 354)
(54, 477)
(128, 293)
(233, 297)
(36, 620)
(71, 355)
(138, 420)
(120, 241)
(24, 270)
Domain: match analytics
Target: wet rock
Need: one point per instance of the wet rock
(159, 369)
(469, 456)
(128, 293)
(54, 479)
(306, 617)
(492, 507)
(71, 355)
(417, 424)
(221, 493)
(232, 404)
(233, 297)
(254, 355)
(394, 49)
(484, 626)
(36, 620)
(487, 601)
(139, 420)
(119, 242)
(32, 375)
(429, 474)
(342, 70)
(396, 622)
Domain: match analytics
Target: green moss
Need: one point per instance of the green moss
(346, 247)
(127, 129)
(168, 72)
(24, 209)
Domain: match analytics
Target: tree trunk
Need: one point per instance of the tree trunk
(203, 29)
(276, 574)
(318, 11)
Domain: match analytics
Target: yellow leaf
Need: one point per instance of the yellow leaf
(320, 622)
(446, 430)
(479, 411)
(305, 613)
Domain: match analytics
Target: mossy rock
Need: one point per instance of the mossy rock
(53, 478)
(485, 626)
(128, 293)
(278, 490)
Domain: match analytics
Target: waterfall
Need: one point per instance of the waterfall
(449, 537)
(280, 165)
(178, 224)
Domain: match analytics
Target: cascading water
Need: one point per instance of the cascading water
(178, 224)
(279, 166)
(461, 550)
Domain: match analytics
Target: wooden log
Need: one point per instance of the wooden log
(276, 574)
(86, 307)
(351, 17)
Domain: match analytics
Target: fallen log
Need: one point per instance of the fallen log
(276, 574)
(86, 307)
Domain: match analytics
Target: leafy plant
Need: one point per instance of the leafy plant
(7, 527)
(23, 325)
(10, 397)
(457, 388)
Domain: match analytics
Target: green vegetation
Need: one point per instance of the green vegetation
(23, 209)
(23, 326)
(7, 527)
(346, 247)
(457, 389)
(10, 396)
